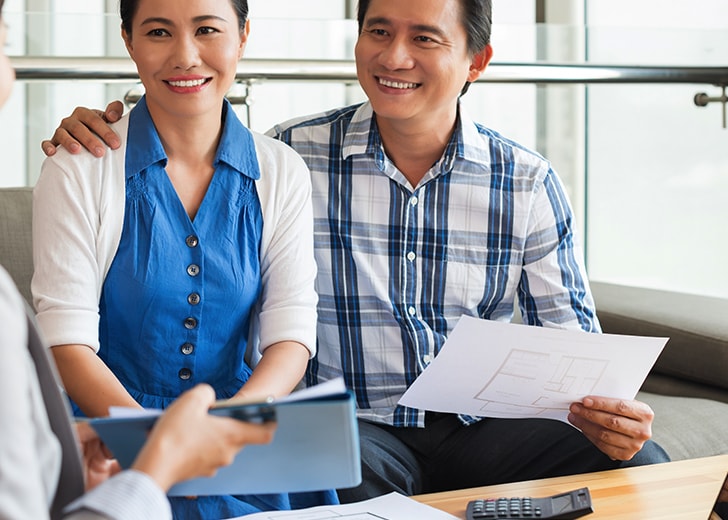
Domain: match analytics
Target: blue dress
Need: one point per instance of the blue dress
(176, 303)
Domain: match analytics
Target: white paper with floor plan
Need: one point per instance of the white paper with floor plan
(386, 507)
(495, 369)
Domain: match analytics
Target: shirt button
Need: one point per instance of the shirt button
(185, 374)
(414, 201)
(193, 298)
(192, 241)
(427, 359)
(412, 311)
(187, 349)
(193, 269)
(190, 323)
(411, 256)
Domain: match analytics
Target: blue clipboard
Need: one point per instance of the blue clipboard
(315, 447)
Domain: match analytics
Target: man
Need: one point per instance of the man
(421, 215)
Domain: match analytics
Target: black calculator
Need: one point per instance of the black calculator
(572, 504)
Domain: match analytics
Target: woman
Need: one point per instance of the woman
(42, 469)
(155, 264)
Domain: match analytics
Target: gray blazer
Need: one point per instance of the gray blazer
(70, 483)
(42, 467)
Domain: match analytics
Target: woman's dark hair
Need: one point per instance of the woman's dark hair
(1, 6)
(476, 17)
(128, 8)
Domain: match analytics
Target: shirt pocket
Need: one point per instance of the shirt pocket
(479, 279)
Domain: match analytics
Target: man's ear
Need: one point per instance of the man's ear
(479, 63)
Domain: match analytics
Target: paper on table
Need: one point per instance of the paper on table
(387, 507)
(495, 369)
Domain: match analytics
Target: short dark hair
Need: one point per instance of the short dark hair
(1, 6)
(476, 17)
(128, 8)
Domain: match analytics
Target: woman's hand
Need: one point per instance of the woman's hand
(98, 463)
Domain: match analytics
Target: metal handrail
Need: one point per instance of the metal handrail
(253, 69)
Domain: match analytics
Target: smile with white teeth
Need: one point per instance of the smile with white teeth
(397, 84)
(187, 83)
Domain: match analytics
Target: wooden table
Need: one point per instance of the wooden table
(683, 490)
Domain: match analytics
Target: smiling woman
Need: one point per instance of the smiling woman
(187, 242)
(186, 64)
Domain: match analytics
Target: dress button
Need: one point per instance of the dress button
(190, 323)
(192, 241)
(185, 373)
(193, 298)
(187, 349)
(193, 269)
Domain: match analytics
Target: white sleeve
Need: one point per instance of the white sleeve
(66, 278)
(288, 268)
(78, 213)
(130, 495)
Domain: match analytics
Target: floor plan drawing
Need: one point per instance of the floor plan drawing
(558, 377)
(392, 506)
(493, 369)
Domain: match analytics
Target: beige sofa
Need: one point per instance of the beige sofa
(688, 387)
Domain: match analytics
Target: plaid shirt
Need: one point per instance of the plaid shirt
(398, 265)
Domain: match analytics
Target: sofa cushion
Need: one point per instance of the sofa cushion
(688, 427)
(696, 325)
(16, 245)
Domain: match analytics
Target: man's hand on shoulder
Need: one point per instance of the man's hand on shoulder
(618, 427)
(86, 128)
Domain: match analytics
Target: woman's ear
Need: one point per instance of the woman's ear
(244, 38)
(127, 40)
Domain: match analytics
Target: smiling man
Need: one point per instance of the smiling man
(421, 216)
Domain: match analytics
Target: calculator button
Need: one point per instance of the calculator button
(483, 509)
(478, 509)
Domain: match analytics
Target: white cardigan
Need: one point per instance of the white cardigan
(78, 214)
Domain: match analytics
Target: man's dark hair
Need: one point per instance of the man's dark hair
(128, 8)
(476, 17)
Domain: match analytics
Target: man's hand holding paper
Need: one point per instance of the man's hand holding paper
(618, 427)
